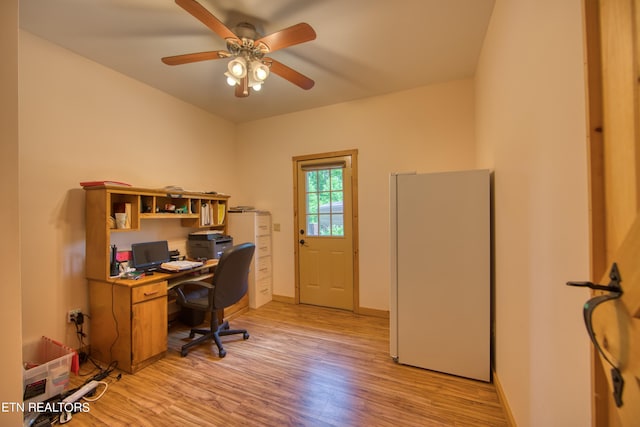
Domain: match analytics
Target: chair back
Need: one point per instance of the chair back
(231, 277)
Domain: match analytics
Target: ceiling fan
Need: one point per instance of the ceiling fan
(249, 67)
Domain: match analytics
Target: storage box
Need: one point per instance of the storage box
(49, 374)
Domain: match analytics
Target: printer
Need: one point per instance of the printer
(207, 244)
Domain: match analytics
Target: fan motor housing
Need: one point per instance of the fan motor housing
(245, 30)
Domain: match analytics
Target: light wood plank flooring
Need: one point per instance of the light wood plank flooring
(302, 366)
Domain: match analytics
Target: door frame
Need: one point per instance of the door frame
(354, 218)
(595, 154)
(604, 238)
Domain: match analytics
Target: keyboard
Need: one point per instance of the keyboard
(180, 265)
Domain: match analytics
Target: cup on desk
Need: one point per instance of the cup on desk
(121, 220)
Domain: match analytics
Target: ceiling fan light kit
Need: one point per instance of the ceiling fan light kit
(239, 68)
(248, 67)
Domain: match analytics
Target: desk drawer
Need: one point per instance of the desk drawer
(147, 292)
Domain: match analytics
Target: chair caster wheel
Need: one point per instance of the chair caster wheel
(245, 335)
(222, 353)
(191, 335)
(183, 353)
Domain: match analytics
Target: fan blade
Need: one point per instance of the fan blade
(195, 57)
(207, 18)
(290, 74)
(290, 36)
(242, 89)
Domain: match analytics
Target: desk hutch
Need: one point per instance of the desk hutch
(129, 318)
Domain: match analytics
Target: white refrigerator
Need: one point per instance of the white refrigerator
(440, 302)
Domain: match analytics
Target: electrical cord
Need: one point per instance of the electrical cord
(93, 399)
(105, 373)
(78, 320)
(115, 319)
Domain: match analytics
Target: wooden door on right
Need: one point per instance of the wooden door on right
(613, 64)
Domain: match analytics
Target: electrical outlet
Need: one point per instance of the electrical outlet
(71, 315)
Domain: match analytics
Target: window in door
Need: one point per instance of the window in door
(324, 198)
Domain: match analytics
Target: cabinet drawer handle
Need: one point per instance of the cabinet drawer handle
(148, 294)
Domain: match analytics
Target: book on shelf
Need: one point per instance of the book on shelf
(127, 218)
(206, 214)
(222, 210)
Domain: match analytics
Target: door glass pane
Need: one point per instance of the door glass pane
(325, 225)
(312, 203)
(312, 181)
(337, 227)
(336, 202)
(324, 202)
(336, 179)
(324, 183)
(312, 225)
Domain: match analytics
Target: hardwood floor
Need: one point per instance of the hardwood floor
(302, 366)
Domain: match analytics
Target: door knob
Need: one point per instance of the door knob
(302, 241)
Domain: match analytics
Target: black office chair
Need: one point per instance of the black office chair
(229, 285)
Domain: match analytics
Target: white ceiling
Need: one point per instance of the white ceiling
(363, 48)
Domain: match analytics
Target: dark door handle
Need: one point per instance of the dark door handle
(302, 241)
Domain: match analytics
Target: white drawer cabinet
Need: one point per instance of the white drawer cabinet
(263, 246)
(255, 227)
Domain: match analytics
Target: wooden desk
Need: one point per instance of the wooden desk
(129, 318)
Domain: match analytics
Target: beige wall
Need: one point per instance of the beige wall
(80, 121)
(10, 305)
(426, 129)
(530, 115)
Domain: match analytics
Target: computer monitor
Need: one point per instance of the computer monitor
(149, 255)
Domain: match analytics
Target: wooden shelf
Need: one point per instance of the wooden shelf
(195, 210)
(166, 215)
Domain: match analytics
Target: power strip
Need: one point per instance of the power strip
(81, 392)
